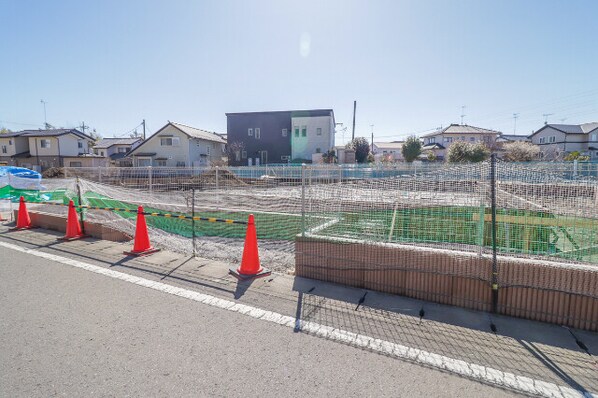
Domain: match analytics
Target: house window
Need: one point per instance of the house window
(79, 144)
(244, 154)
(250, 132)
(4, 150)
(180, 164)
(593, 137)
(284, 132)
(75, 164)
(552, 139)
(102, 153)
(472, 139)
(303, 131)
(208, 150)
(318, 150)
(45, 143)
(432, 140)
(10, 141)
(169, 141)
(161, 163)
(144, 162)
(448, 139)
(284, 157)
(542, 140)
(296, 131)
(122, 150)
(319, 131)
(237, 156)
(257, 133)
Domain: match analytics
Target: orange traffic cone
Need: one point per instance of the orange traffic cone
(250, 263)
(142, 245)
(73, 227)
(23, 219)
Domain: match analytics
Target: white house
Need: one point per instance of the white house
(115, 150)
(439, 141)
(557, 140)
(391, 150)
(179, 145)
(312, 133)
(41, 149)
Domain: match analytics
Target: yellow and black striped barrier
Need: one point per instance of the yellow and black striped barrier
(147, 213)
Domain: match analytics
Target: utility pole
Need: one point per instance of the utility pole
(462, 114)
(143, 129)
(45, 117)
(372, 146)
(83, 127)
(354, 109)
(515, 116)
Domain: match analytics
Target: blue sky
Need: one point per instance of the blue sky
(411, 65)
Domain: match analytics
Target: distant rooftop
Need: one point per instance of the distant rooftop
(199, 133)
(583, 128)
(461, 129)
(52, 133)
(108, 142)
(293, 113)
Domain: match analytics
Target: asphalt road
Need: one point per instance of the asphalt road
(70, 332)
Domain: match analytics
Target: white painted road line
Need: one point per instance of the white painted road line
(473, 371)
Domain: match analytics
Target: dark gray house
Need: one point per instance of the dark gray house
(256, 138)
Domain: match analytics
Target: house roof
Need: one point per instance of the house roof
(11, 134)
(512, 137)
(118, 155)
(390, 145)
(53, 133)
(433, 146)
(461, 129)
(583, 128)
(197, 133)
(108, 142)
(293, 113)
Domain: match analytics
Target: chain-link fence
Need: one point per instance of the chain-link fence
(520, 239)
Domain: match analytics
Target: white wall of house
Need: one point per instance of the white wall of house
(13, 145)
(173, 155)
(319, 136)
(85, 161)
(204, 152)
(64, 145)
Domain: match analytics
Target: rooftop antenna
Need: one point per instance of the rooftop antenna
(545, 115)
(462, 113)
(515, 116)
(45, 118)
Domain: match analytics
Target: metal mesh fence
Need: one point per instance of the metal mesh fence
(455, 234)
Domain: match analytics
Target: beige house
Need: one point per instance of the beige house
(391, 150)
(13, 146)
(439, 141)
(179, 145)
(115, 150)
(557, 140)
(41, 149)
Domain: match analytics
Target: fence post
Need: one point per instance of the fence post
(217, 184)
(64, 169)
(81, 213)
(303, 167)
(149, 179)
(493, 226)
(100, 174)
(193, 221)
